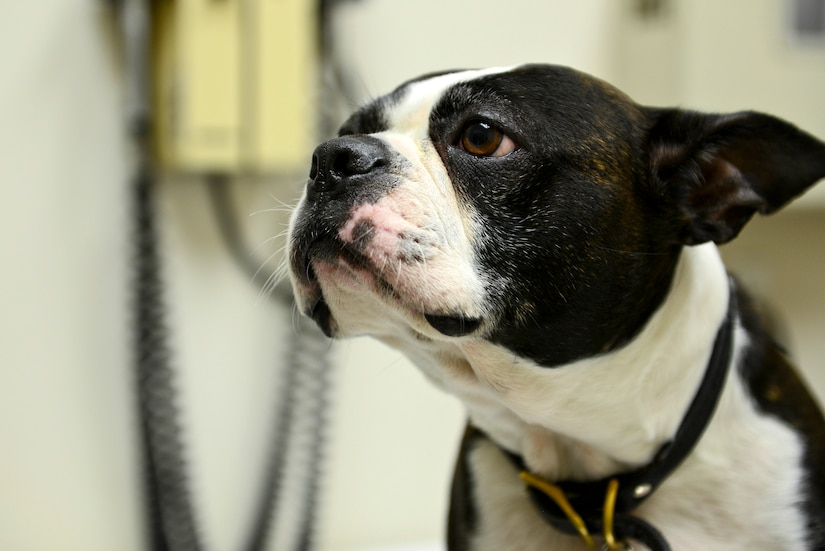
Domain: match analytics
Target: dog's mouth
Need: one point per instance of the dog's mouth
(450, 326)
(328, 259)
(322, 315)
(331, 252)
(453, 326)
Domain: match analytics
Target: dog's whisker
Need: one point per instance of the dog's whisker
(277, 210)
(278, 236)
(281, 202)
(272, 281)
(279, 253)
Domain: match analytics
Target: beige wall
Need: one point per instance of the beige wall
(67, 458)
(68, 467)
(724, 57)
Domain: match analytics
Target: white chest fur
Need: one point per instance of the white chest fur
(600, 415)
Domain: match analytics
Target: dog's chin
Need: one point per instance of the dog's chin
(346, 300)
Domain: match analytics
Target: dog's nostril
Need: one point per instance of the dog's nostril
(353, 163)
(379, 163)
(345, 163)
(313, 169)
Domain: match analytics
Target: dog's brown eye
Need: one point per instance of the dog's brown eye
(484, 140)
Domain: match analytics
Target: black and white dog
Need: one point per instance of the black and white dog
(545, 249)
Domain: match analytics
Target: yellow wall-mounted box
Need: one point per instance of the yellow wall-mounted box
(233, 81)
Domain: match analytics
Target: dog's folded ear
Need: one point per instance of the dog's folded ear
(713, 172)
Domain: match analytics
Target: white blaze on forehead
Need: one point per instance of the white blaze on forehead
(408, 133)
(412, 113)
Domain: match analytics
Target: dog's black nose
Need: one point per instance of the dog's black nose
(341, 161)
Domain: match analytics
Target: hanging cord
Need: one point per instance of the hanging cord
(172, 522)
(172, 525)
(297, 447)
(312, 388)
(299, 435)
(338, 91)
(266, 511)
(223, 208)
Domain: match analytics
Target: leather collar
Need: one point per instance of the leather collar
(588, 498)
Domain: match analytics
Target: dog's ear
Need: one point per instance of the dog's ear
(713, 172)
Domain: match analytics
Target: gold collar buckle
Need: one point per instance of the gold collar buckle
(559, 498)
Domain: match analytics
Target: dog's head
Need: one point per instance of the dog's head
(536, 208)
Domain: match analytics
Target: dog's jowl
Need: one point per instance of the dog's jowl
(544, 248)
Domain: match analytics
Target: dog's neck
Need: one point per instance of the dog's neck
(600, 415)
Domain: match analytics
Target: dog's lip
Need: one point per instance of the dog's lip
(325, 249)
(333, 251)
(322, 249)
(453, 325)
(322, 315)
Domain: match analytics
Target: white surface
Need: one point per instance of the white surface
(68, 459)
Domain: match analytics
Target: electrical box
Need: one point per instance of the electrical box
(232, 84)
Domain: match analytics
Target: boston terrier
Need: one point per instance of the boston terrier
(544, 248)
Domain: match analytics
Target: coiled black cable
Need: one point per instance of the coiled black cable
(299, 420)
(172, 525)
(298, 436)
(171, 519)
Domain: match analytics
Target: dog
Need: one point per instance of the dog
(544, 248)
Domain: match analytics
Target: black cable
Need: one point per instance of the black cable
(316, 380)
(337, 83)
(169, 511)
(172, 523)
(267, 509)
(306, 383)
(223, 208)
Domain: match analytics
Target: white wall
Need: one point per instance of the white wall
(724, 57)
(386, 42)
(68, 469)
(66, 448)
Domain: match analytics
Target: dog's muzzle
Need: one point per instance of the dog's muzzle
(348, 177)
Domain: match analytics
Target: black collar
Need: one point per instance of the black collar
(587, 498)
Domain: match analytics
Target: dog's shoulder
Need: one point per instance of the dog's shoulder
(778, 390)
